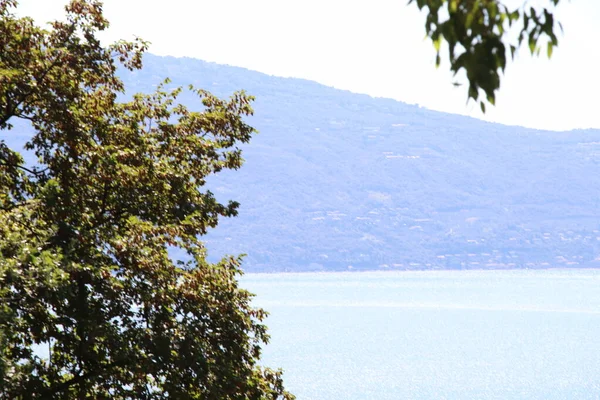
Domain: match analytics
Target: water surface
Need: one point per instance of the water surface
(434, 334)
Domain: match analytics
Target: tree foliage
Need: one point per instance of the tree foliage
(481, 36)
(91, 303)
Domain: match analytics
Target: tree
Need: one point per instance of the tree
(480, 38)
(85, 234)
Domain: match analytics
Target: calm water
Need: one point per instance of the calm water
(434, 335)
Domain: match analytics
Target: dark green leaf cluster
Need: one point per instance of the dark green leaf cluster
(92, 304)
(478, 34)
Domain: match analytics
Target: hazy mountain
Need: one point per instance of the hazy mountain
(337, 179)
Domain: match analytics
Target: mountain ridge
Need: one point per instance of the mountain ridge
(336, 180)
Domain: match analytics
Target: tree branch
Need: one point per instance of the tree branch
(31, 171)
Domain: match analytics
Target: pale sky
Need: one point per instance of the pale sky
(376, 47)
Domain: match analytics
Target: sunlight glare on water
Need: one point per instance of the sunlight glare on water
(434, 334)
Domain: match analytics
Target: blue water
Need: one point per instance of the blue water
(434, 335)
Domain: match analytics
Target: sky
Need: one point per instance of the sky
(377, 47)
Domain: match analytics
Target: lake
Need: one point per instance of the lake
(519, 334)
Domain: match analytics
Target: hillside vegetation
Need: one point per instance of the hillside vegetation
(337, 181)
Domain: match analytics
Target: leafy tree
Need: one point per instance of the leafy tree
(480, 37)
(91, 303)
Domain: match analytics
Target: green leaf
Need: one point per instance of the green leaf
(532, 45)
(437, 42)
(453, 5)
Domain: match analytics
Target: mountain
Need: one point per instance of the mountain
(337, 180)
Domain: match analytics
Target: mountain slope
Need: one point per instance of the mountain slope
(337, 180)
